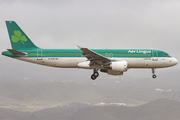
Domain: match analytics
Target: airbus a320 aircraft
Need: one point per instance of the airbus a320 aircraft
(111, 61)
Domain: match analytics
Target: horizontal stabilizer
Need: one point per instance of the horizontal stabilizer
(17, 52)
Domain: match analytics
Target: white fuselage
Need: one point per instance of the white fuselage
(68, 62)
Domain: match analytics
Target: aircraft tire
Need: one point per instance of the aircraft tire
(96, 74)
(154, 76)
(93, 77)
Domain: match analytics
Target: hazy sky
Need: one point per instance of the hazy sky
(96, 24)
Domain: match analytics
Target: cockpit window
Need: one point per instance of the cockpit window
(166, 55)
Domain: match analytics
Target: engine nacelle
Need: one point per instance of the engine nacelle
(119, 66)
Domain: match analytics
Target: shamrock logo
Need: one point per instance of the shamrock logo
(17, 36)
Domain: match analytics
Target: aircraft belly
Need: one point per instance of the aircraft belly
(32, 60)
(147, 63)
(143, 63)
(131, 62)
(54, 62)
(134, 62)
(160, 63)
(140, 63)
(153, 63)
(70, 62)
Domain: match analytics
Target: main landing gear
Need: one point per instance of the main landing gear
(95, 74)
(153, 71)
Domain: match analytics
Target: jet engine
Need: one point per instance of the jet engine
(119, 66)
(116, 68)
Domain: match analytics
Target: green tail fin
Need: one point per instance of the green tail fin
(19, 40)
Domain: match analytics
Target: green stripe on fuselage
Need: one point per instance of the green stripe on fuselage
(130, 53)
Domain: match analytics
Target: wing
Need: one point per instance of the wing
(94, 57)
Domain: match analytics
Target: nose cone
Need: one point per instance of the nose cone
(174, 61)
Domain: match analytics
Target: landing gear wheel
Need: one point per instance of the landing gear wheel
(93, 77)
(154, 76)
(153, 71)
(96, 74)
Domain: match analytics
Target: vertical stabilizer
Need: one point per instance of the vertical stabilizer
(19, 40)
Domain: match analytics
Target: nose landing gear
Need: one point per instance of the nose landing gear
(154, 76)
(153, 71)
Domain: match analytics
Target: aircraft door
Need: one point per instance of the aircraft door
(154, 55)
(39, 55)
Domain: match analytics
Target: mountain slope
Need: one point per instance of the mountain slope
(162, 109)
(52, 94)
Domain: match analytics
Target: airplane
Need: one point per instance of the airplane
(110, 61)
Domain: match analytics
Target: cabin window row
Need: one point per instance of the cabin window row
(101, 54)
(132, 55)
(64, 54)
(126, 55)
